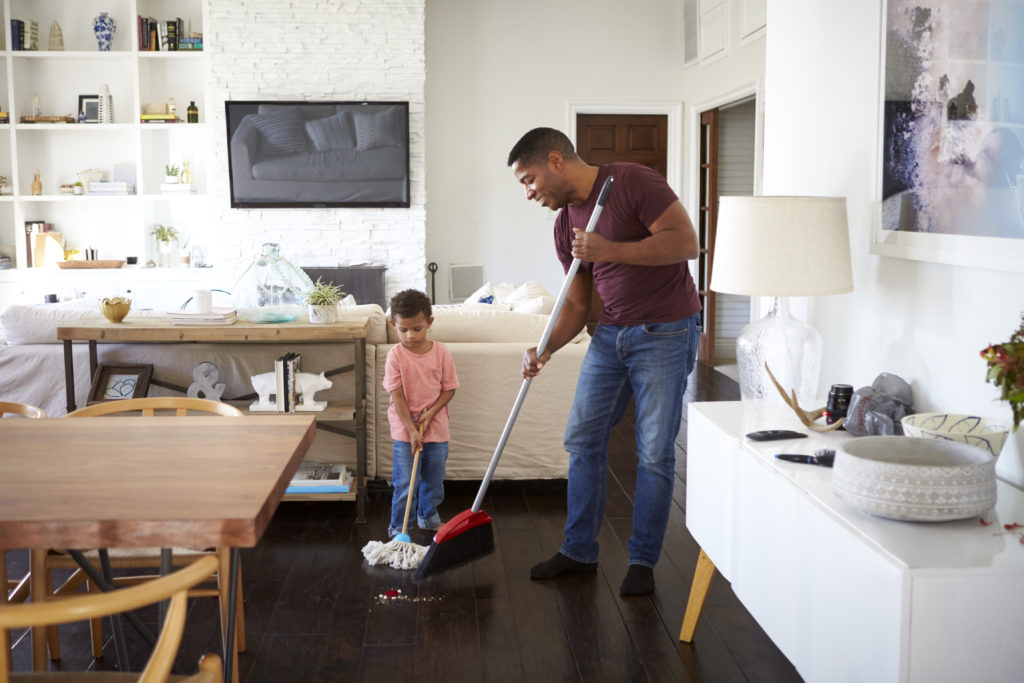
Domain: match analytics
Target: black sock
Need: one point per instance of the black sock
(639, 581)
(560, 564)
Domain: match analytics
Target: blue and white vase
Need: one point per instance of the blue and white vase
(104, 26)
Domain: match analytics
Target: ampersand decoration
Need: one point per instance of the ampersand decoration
(205, 386)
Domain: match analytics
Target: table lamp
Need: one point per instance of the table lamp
(781, 247)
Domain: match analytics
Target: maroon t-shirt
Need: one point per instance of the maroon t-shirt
(632, 295)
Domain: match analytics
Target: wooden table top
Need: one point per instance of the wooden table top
(122, 482)
(162, 330)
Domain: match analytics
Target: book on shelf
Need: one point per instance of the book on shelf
(162, 116)
(177, 188)
(160, 120)
(172, 34)
(17, 34)
(32, 35)
(111, 187)
(154, 35)
(315, 477)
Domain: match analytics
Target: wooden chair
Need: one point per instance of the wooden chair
(47, 561)
(97, 605)
(15, 590)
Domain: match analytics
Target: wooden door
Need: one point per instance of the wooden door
(707, 218)
(609, 138)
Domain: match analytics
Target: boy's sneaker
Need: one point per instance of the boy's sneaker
(432, 528)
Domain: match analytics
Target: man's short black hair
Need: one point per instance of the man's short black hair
(408, 303)
(533, 147)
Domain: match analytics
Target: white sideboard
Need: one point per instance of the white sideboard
(844, 595)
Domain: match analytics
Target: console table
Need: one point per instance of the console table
(345, 418)
(847, 596)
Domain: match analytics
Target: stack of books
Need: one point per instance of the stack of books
(177, 188)
(159, 118)
(217, 316)
(315, 477)
(24, 34)
(111, 187)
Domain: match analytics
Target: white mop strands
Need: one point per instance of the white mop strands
(400, 553)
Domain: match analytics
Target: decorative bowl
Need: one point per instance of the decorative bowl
(115, 309)
(988, 434)
(922, 480)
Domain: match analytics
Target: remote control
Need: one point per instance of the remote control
(775, 435)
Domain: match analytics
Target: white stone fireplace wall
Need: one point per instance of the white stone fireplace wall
(315, 50)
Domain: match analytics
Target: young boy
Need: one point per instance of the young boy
(420, 375)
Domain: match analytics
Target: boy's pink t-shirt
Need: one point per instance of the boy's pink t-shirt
(422, 377)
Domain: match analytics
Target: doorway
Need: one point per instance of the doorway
(726, 168)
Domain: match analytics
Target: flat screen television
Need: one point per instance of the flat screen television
(318, 154)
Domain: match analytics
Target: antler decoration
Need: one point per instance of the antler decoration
(807, 417)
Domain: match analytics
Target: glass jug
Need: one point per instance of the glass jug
(271, 290)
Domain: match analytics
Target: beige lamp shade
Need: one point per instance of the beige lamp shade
(782, 246)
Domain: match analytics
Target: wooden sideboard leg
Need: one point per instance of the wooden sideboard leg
(702, 576)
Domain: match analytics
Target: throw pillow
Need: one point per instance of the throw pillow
(332, 132)
(378, 128)
(283, 132)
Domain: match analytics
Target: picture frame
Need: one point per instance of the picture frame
(117, 382)
(89, 108)
(949, 182)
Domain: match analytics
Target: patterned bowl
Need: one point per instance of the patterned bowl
(922, 480)
(115, 309)
(986, 433)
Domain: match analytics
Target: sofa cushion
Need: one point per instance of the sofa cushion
(283, 132)
(474, 325)
(332, 132)
(38, 324)
(381, 128)
(529, 297)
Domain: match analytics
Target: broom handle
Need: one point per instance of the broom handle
(412, 483)
(541, 347)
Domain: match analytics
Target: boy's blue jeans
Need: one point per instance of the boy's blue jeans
(651, 363)
(430, 492)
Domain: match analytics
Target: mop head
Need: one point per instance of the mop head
(400, 553)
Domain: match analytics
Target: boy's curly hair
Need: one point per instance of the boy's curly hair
(407, 303)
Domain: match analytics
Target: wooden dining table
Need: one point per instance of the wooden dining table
(130, 482)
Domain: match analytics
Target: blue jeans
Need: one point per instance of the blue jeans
(650, 362)
(430, 492)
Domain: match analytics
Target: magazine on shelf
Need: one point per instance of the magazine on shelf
(319, 477)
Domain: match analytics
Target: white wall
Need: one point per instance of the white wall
(498, 69)
(312, 50)
(922, 321)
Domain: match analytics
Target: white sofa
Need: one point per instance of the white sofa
(487, 346)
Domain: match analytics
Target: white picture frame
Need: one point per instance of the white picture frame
(939, 199)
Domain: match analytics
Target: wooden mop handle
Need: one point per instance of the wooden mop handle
(412, 482)
(541, 348)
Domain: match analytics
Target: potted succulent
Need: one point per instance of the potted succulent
(78, 187)
(323, 302)
(171, 173)
(166, 237)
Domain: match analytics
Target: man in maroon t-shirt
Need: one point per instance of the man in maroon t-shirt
(644, 346)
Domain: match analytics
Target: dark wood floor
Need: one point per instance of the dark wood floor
(314, 609)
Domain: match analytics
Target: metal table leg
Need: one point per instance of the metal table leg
(229, 628)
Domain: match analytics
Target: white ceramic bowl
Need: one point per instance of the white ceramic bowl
(922, 480)
(988, 434)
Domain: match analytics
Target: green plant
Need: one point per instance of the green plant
(324, 294)
(164, 234)
(171, 169)
(78, 183)
(1006, 371)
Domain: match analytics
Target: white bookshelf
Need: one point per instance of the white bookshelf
(116, 226)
